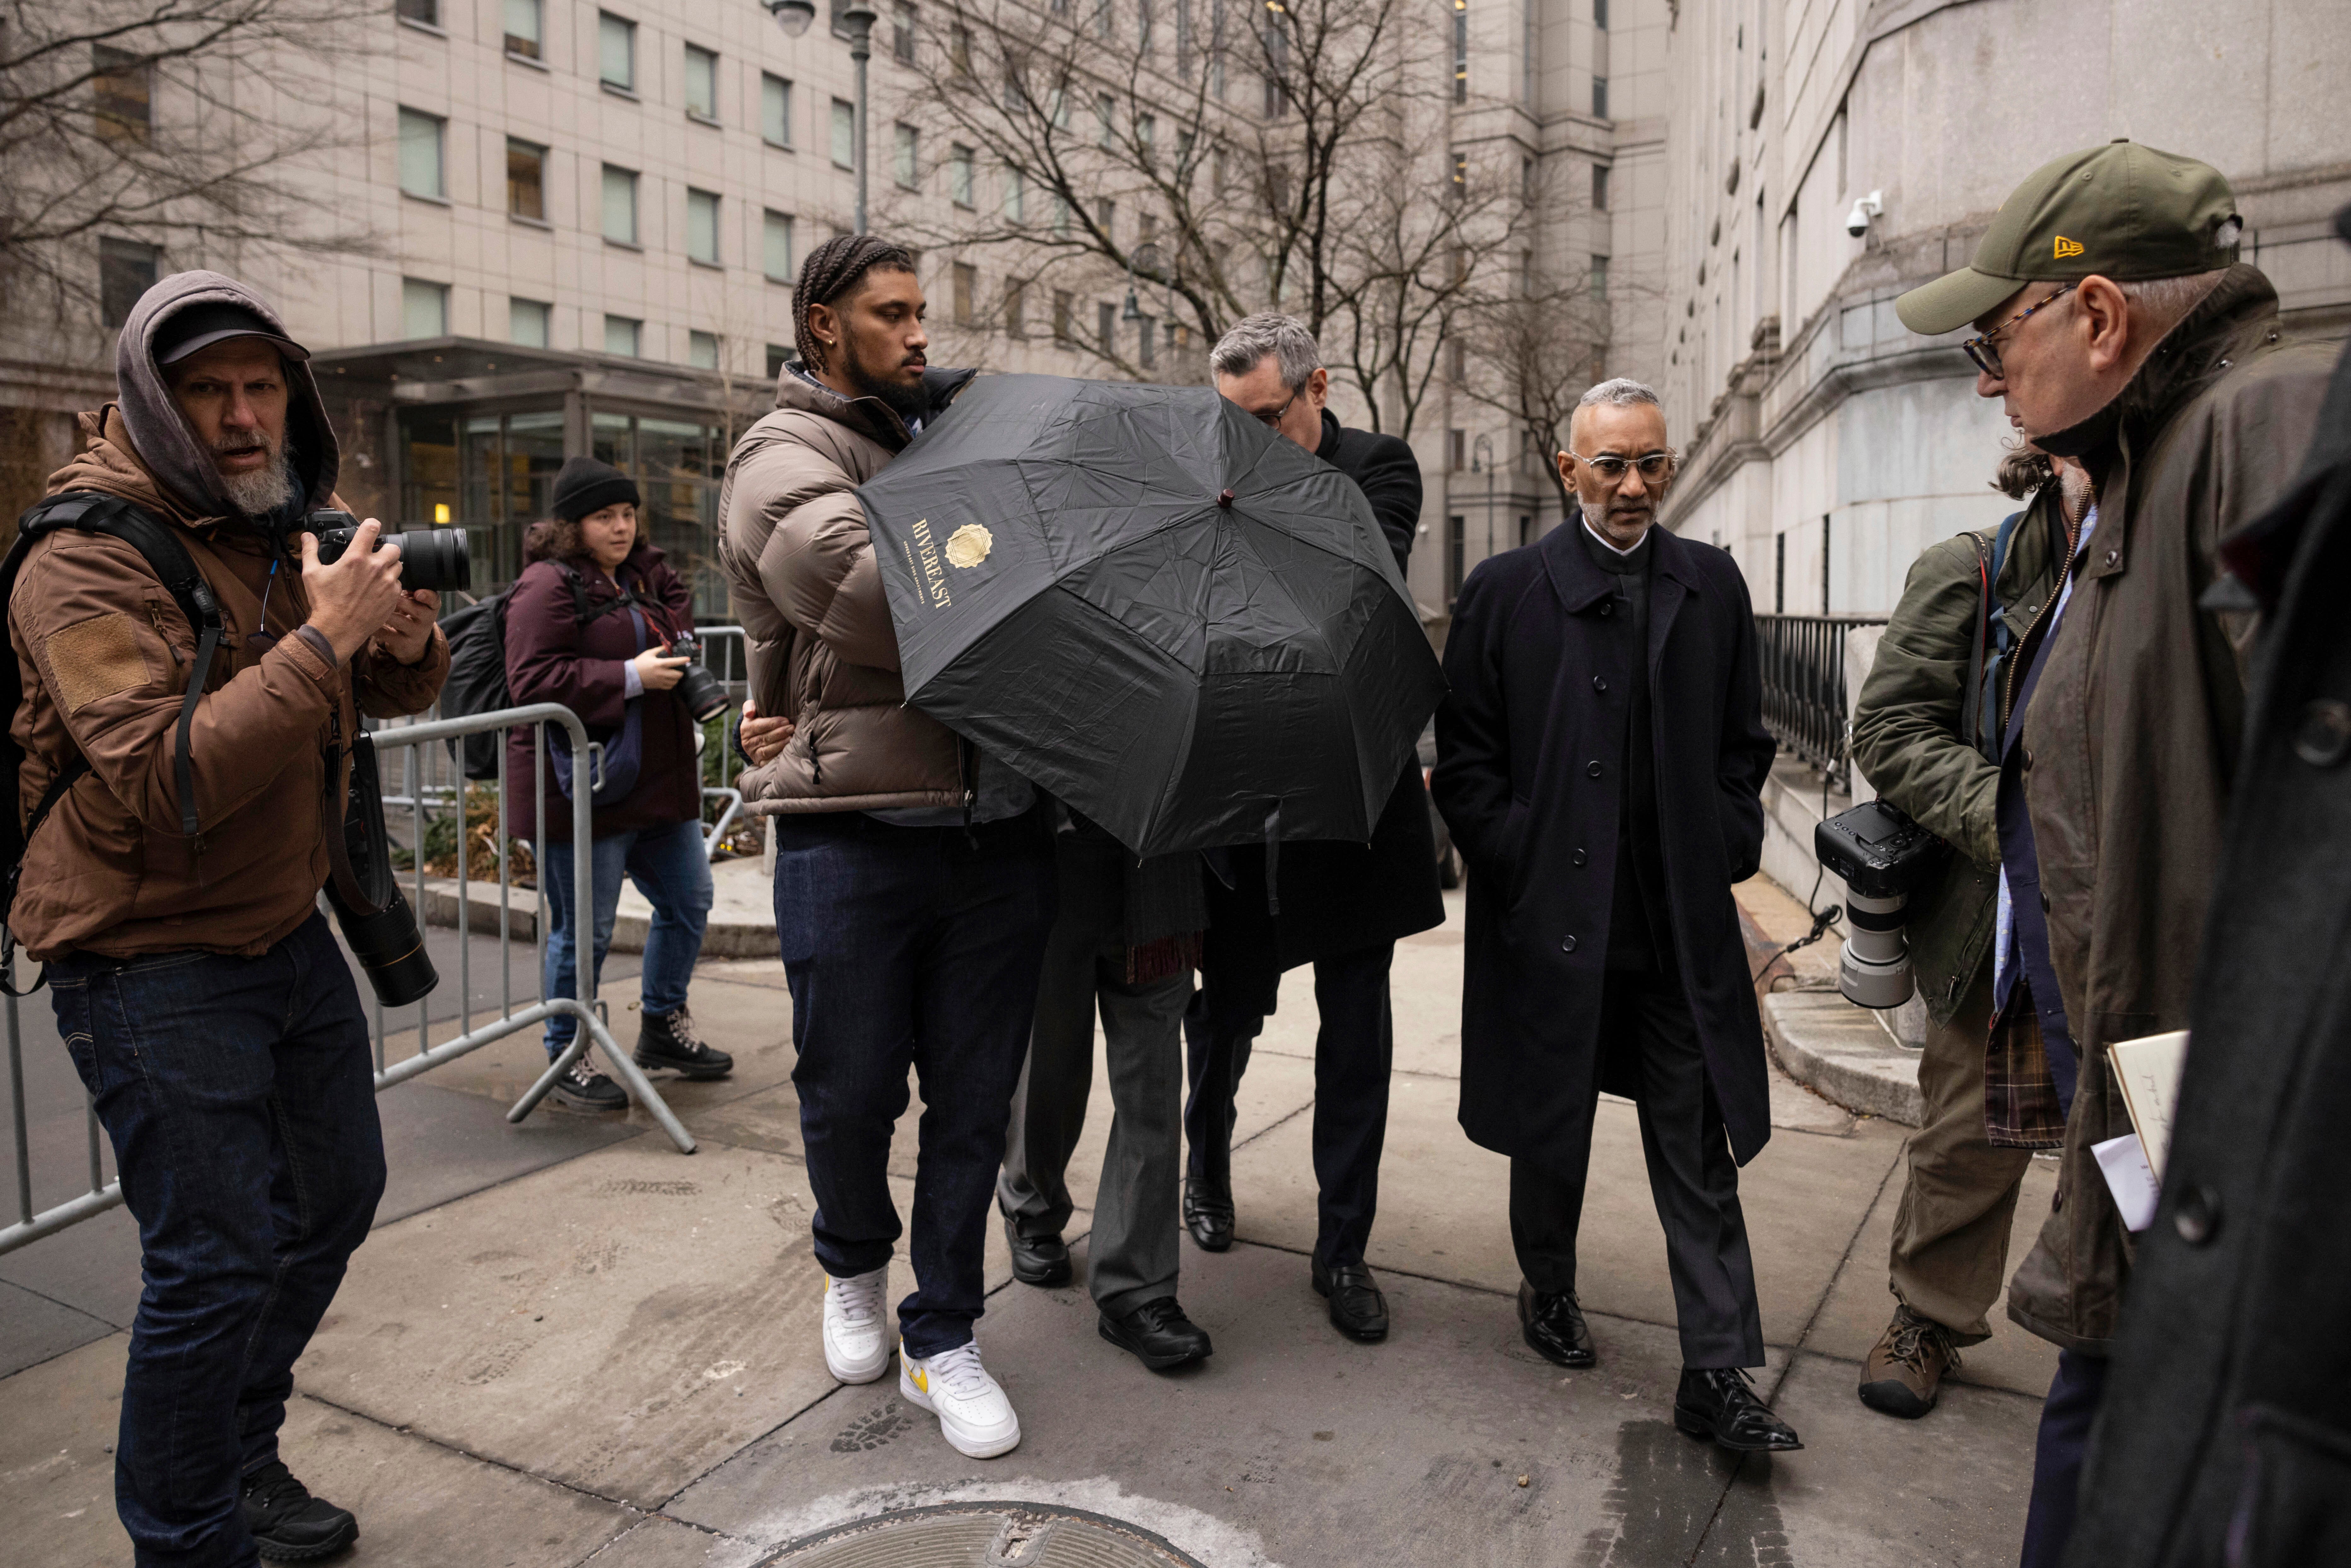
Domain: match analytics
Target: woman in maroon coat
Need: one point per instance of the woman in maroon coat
(588, 626)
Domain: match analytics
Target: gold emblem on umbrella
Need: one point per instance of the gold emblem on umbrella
(969, 545)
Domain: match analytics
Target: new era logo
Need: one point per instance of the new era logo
(2066, 247)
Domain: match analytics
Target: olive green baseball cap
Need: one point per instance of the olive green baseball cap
(2122, 211)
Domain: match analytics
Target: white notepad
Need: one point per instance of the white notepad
(2147, 1070)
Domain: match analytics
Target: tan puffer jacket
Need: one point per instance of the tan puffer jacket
(822, 649)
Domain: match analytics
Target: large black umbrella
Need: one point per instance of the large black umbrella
(1180, 623)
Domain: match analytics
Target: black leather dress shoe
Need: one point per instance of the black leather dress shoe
(1357, 1308)
(1158, 1334)
(1554, 1327)
(287, 1524)
(1208, 1213)
(1718, 1401)
(1037, 1260)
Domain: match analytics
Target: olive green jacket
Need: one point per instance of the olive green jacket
(1907, 737)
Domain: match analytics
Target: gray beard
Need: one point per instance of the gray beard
(265, 490)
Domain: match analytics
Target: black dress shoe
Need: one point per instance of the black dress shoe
(287, 1524)
(1208, 1213)
(1718, 1401)
(1158, 1334)
(1554, 1327)
(1357, 1308)
(1037, 1260)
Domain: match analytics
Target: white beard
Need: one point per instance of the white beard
(264, 490)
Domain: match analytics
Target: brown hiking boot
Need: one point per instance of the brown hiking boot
(1905, 1366)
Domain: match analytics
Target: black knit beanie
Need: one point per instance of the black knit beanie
(586, 486)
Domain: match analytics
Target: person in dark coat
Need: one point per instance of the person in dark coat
(588, 626)
(1339, 906)
(1600, 763)
(2223, 1434)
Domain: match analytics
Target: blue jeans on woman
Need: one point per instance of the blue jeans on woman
(669, 867)
(239, 1096)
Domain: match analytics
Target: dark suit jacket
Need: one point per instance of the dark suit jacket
(1336, 897)
(1528, 778)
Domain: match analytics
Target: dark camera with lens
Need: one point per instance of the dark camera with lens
(703, 694)
(1881, 856)
(435, 559)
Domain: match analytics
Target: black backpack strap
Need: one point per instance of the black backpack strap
(581, 607)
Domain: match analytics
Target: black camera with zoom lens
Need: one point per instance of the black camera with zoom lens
(1882, 856)
(435, 559)
(703, 694)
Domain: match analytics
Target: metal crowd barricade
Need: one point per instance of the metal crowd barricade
(725, 653)
(427, 788)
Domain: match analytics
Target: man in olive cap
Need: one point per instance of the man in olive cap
(2114, 323)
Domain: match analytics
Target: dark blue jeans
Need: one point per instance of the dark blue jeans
(2057, 1456)
(910, 947)
(669, 868)
(239, 1096)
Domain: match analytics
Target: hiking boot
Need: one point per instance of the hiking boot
(287, 1524)
(667, 1039)
(583, 1088)
(1905, 1366)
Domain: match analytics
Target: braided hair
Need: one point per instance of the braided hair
(831, 271)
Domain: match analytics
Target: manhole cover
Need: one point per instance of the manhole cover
(983, 1535)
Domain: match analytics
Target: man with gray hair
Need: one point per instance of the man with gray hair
(1600, 762)
(1341, 905)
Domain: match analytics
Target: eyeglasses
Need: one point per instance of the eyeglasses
(1273, 421)
(1985, 355)
(1610, 469)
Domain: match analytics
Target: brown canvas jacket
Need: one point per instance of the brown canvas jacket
(822, 650)
(104, 653)
(2132, 736)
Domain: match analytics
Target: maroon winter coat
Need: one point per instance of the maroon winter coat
(551, 658)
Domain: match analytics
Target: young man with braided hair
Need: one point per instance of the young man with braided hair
(914, 876)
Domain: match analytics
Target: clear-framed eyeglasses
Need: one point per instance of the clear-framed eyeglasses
(1655, 466)
(1986, 354)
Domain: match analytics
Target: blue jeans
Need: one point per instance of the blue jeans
(910, 947)
(240, 1099)
(669, 867)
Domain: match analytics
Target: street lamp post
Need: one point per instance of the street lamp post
(795, 18)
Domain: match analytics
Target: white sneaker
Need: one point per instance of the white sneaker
(857, 1326)
(975, 1416)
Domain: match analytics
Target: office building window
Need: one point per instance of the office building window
(903, 167)
(1105, 19)
(1600, 187)
(776, 247)
(901, 33)
(1105, 327)
(1064, 329)
(423, 308)
(701, 83)
(1825, 563)
(775, 111)
(524, 24)
(1460, 51)
(1456, 552)
(1016, 196)
(701, 350)
(779, 356)
(702, 227)
(1599, 97)
(1526, 531)
(1105, 121)
(1456, 450)
(427, 12)
(421, 159)
(620, 205)
(1147, 341)
(959, 160)
(1016, 309)
(122, 87)
(844, 133)
(1600, 278)
(624, 335)
(1460, 177)
(527, 322)
(1106, 216)
(525, 180)
(126, 268)
(966, 284)
(1277, 69)
(616, 51)
(1780, 574)
(1600, 15)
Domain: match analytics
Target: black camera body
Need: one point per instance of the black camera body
(435, 559)
(703, 694)
(1882, 857)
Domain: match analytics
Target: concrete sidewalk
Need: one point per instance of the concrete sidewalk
(568, 1341)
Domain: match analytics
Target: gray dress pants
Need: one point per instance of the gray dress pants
(1131, 1257)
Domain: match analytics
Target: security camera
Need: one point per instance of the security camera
(1856, 221)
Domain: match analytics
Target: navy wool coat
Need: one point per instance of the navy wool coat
(1529, 777)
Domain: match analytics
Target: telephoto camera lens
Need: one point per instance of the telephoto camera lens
(436, 559)
(703, 694)
(1875, 969)
(1881, 856)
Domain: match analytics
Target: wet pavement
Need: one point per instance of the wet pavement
(566, 1341)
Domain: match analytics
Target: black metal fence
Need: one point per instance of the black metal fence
(1804, 686)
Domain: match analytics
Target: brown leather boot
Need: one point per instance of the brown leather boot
(1905, 1366)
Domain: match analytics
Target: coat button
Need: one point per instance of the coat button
(2323, 739)
(2045, 904)
(1599, 683)
(2198, 1218)
(1578, 858)
(1606, 606)
(2113, 556)
(2027, 759)
(1567, 944)
(1592, 769)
